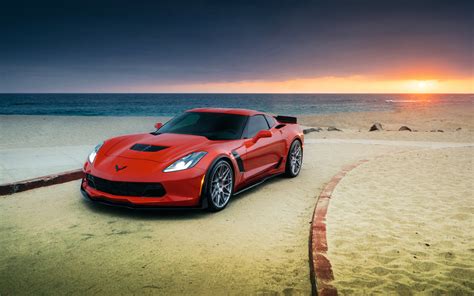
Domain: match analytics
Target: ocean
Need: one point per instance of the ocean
(171, 104)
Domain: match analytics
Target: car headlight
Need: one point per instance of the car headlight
(186, 162)
(94, 153)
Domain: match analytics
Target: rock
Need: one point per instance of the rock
(376, 127)
(312, 129)
(433, 131)
(458, 129)
(333, 129)
(440, 131)
(404, 128)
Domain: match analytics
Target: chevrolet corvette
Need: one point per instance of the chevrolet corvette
(199, 159)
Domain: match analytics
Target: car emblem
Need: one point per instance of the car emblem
(117, 168)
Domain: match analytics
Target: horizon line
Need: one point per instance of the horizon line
(252, 93)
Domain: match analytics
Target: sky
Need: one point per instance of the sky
(353, 46)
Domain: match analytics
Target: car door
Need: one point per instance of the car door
(264, 154)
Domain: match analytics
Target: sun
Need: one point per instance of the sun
(422, 85)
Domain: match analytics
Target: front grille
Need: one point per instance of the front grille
(126, 188)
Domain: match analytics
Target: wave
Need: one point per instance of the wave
(406, 101)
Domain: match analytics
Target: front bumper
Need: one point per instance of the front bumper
(128, 205)
(184, 192)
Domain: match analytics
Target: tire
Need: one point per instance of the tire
(294, 160)
(220, 185)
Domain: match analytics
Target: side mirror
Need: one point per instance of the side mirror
(262, 134)
(158, 125)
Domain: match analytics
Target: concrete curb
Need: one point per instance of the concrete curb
(10, 188)
(320, 266)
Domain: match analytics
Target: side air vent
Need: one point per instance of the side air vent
(240, 163)
(147, 148)
(286, 119)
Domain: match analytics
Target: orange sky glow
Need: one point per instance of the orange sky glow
(329, 84)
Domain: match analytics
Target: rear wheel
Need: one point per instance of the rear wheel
(220, 185)
(294, 159)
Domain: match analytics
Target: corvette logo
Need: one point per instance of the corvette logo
(117, 168)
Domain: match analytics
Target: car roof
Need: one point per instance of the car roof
(236, 111)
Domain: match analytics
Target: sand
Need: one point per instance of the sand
(455, 122)
(403, 224)
(423, 118)
(53, 242)
(52, 131)
(36, 146)
(45, 131)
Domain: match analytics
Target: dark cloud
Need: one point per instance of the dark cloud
(87, 46)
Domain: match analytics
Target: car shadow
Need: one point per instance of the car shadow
(269, 182)
(146, 214)
(169, 213)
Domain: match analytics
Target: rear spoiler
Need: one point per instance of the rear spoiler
(286, 119)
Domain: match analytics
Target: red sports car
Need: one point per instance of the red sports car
(198, 159)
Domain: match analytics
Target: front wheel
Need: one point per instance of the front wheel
(294, 159)
(220, 186)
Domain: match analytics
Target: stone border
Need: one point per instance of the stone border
(320, 266)
(53, 179)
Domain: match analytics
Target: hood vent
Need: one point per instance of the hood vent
(147, 148)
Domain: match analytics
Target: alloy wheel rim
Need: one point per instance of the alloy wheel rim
(295, 158)
(221, 185)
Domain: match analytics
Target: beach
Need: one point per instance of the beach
(408, 217)
(413, 197)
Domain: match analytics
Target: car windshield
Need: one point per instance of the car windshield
(214, 126)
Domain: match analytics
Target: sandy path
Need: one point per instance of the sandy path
(54, 242)
(403, 224)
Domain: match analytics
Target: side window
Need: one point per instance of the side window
(254, 125)
(271, 121)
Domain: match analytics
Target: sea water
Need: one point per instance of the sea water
(117, 104)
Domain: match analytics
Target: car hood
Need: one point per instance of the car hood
(159, 148)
